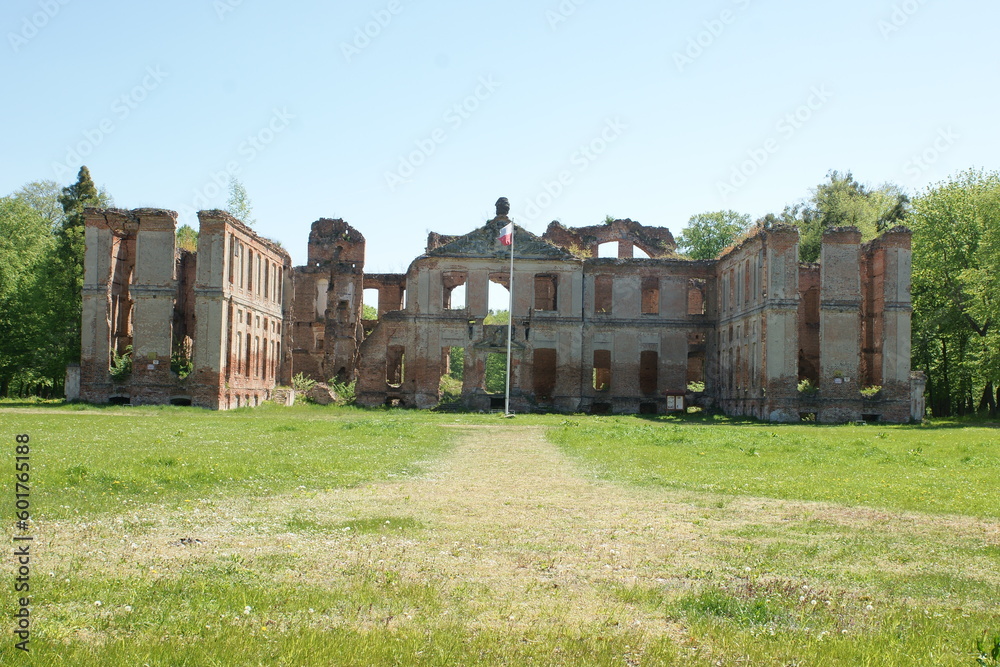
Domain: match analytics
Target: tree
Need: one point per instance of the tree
(26, 244)
(956, 291)
(496, 362)
(708, 234)
(499, 317)
(43, 197)
(240, 206)
(187, 238)
(841, 201)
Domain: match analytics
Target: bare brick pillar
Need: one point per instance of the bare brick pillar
(840, 324)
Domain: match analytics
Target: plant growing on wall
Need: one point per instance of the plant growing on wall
(807, 388)
(121, 365)
(180, 361)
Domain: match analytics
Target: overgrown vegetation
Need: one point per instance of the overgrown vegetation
(345, 391)
(872, 391)
(807, 388)
(180, 361)
(121, 365)
(302, 384)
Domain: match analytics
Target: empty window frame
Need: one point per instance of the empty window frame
(495, 379)
(545, 292)
(651, 295)
(453, 286)
(602, 370)
(238, 354)
(696, 296)
(234, 252)
(746, 283)
(649, 371)
(545, 370)
(603, 290)
(395, 359)
(250, 271)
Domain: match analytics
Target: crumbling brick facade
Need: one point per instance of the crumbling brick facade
(625, 335)
(204, 329)
(326, 326)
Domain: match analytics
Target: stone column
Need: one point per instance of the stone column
(780, 334)
(840, 325)
(95, 379)
(153, 291)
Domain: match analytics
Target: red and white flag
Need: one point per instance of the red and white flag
(507, 234)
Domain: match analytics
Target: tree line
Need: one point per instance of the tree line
(956, 271)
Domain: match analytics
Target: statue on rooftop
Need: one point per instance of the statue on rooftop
(503, 207)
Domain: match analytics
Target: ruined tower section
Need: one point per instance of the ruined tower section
(840, 325)
(886, 310)
(757, 342)
(129, 300)
(240, 297)
(328, 301)
(780, 278)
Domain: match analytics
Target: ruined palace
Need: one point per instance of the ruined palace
(225, 325)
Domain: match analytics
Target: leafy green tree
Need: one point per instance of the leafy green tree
(841, 201)
(43, 196)
(956, 291)
(187, 238)
(240, 206)
(26, 243)
(708, 234)
(496, 363)
(498, 317)
(496, 372)
(456, 363)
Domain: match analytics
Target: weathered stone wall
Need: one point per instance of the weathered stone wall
(326, 310)
(657, 242)
(241, 299)
(758, 294)
(885, 328)
(140, 291)
(600, 335)
(128, 301)
(644, 331)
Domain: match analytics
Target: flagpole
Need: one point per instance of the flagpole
(510, 321)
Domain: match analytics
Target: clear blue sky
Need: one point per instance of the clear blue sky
(331, 114)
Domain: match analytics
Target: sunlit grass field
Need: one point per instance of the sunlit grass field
(277, 536)
(941, 468)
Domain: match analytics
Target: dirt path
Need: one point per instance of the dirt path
(512, 534)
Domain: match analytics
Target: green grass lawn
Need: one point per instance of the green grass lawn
(89, 461)
(804, 545)
(922, 595)
(943, 468)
